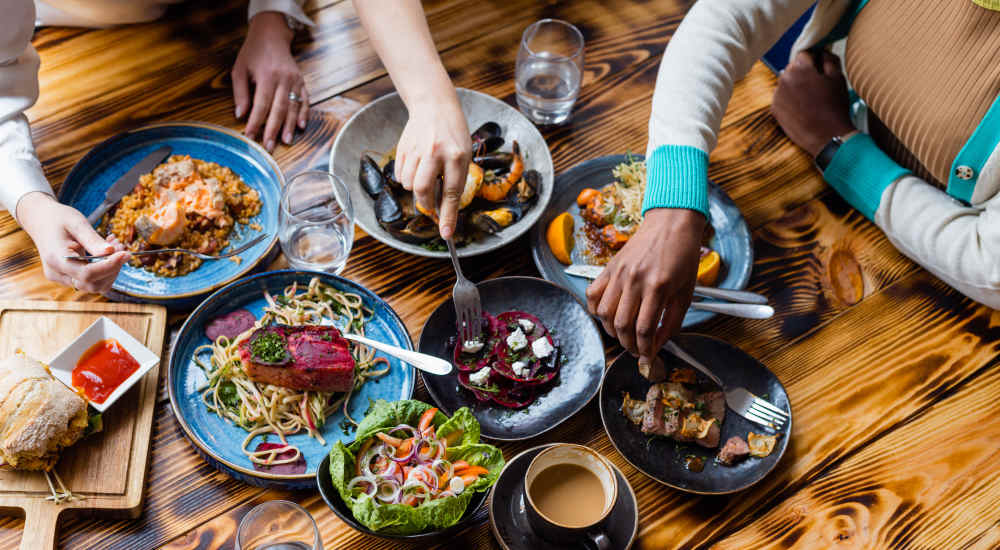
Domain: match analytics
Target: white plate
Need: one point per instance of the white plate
(103, 328)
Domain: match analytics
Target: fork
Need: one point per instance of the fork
(740, 400)
(246, 246)
(468, 308)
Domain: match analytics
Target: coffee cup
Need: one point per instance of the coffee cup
(570, 490)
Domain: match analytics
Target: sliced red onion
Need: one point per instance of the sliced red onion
(427, 458)
(417, 484)
(456, 485)
(363, 479)
(366, 460)
(445, 494)
(389, 452)
(442, 467)
(405, 427)
(428, 473)
(392, 485)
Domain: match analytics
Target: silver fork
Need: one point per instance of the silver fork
(468, 308)
(246, 246)
(740, 400)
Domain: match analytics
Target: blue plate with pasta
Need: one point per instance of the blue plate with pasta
(266, 434)
(244, 172)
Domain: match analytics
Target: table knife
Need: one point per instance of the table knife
(127, 183)
(738, 296)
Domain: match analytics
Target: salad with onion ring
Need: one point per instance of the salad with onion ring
(412, 469)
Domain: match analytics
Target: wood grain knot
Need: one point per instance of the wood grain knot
(846, 280)
(847, 527)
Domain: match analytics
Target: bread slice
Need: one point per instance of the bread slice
(39, 416)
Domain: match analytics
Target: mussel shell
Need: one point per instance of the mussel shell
(494, 161)
(389, 170)
(528, 187)
(487, 130)
(370, 177)
(387, 208)
(418, 230)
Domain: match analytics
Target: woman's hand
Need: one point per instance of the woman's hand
(59, 231)
(436, 143)
(643, 293)
(266, 59)
(811, 103)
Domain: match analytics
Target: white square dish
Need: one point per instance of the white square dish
(62, 365)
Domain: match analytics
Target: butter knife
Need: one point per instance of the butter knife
(736, 296)
(127, 183)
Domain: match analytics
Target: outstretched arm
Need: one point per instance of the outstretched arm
(435, 142)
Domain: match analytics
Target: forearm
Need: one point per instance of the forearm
(398, 32)
(291, 8)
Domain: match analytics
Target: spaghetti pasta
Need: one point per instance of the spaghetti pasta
(267, 409)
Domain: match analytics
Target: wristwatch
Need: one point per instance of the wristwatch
(826, 154)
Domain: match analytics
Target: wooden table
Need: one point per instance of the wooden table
(891, 374)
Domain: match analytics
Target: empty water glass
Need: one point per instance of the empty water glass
(316, 228)
(549, 69)
(278, 525)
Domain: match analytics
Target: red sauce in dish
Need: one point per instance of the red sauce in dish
(102, 368)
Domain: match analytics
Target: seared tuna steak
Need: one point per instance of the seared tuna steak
(313, 358)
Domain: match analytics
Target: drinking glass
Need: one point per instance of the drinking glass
(278, 525)
(316, 226)
(549, 69)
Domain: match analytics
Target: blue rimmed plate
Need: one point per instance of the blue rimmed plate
(220, 442)
(97, 171)
(730, 238)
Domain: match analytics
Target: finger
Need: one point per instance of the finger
(648, 321)
(241, 89)
(803, 59)
(425, 183)
(104, 269)
(609, 305)
(454, 183)
(671, 324)
(398, 166)
(596, 290)
(625, 317)
(276, 118)
(831, 64)
(409, 171)
(291, 119)
(81, 232)
(262, 98)
(304, 108)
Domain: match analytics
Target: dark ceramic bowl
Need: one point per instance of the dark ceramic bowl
(475, 513)
(663, 459)
(579, 339)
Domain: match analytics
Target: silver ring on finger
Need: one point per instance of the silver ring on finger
(294, 97)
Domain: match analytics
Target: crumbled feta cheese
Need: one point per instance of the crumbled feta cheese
(526, 325)
(480, 377)
(520, 369)
(542, 348)
(472, 346)
(517, 340)
(456, 485)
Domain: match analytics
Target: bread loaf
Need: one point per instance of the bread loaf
(39, 416)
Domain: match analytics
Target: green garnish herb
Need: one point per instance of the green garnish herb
(228, 395)
(269, 347)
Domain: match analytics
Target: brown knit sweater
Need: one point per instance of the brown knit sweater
(928, 70)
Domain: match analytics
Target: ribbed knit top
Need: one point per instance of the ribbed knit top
(928, 70)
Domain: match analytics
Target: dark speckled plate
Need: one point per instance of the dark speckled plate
(663, 459)
(731, 238)
(578, 336)
(510, 523)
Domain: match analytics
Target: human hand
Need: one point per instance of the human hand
(435, 142)
(266, 59)
(651, 278)
(59, 231)
(811, 103)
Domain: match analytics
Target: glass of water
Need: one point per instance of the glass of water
(316, 226)
(549, 69)
(278, 525)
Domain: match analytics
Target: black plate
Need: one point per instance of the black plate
(510, 523)
(474, 514)
(731, 237)
(663, 459)
(579, 339)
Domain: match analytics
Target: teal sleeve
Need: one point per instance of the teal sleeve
(860, 172)
(677, 177)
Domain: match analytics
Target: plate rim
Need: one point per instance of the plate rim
(187, 326)
(787, 431)
(376, 232)
(583, 404)
(538, 241)
(493, 524)
(249, 266)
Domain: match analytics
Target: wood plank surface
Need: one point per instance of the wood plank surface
(892, 375)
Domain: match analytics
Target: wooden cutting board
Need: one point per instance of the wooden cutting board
(108, 469)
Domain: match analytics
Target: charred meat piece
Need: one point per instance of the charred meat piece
(674, 411)
(313, 358)
(735, 450)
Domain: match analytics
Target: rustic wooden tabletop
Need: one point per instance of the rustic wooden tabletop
(891, 374)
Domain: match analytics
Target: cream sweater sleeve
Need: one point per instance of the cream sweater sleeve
(20, 171)
(291, 8)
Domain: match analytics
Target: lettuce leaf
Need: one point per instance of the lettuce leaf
(399, 519)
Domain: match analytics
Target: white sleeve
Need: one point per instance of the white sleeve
(291, 8)
(715, 46)
(957, 243)
(20, 171)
